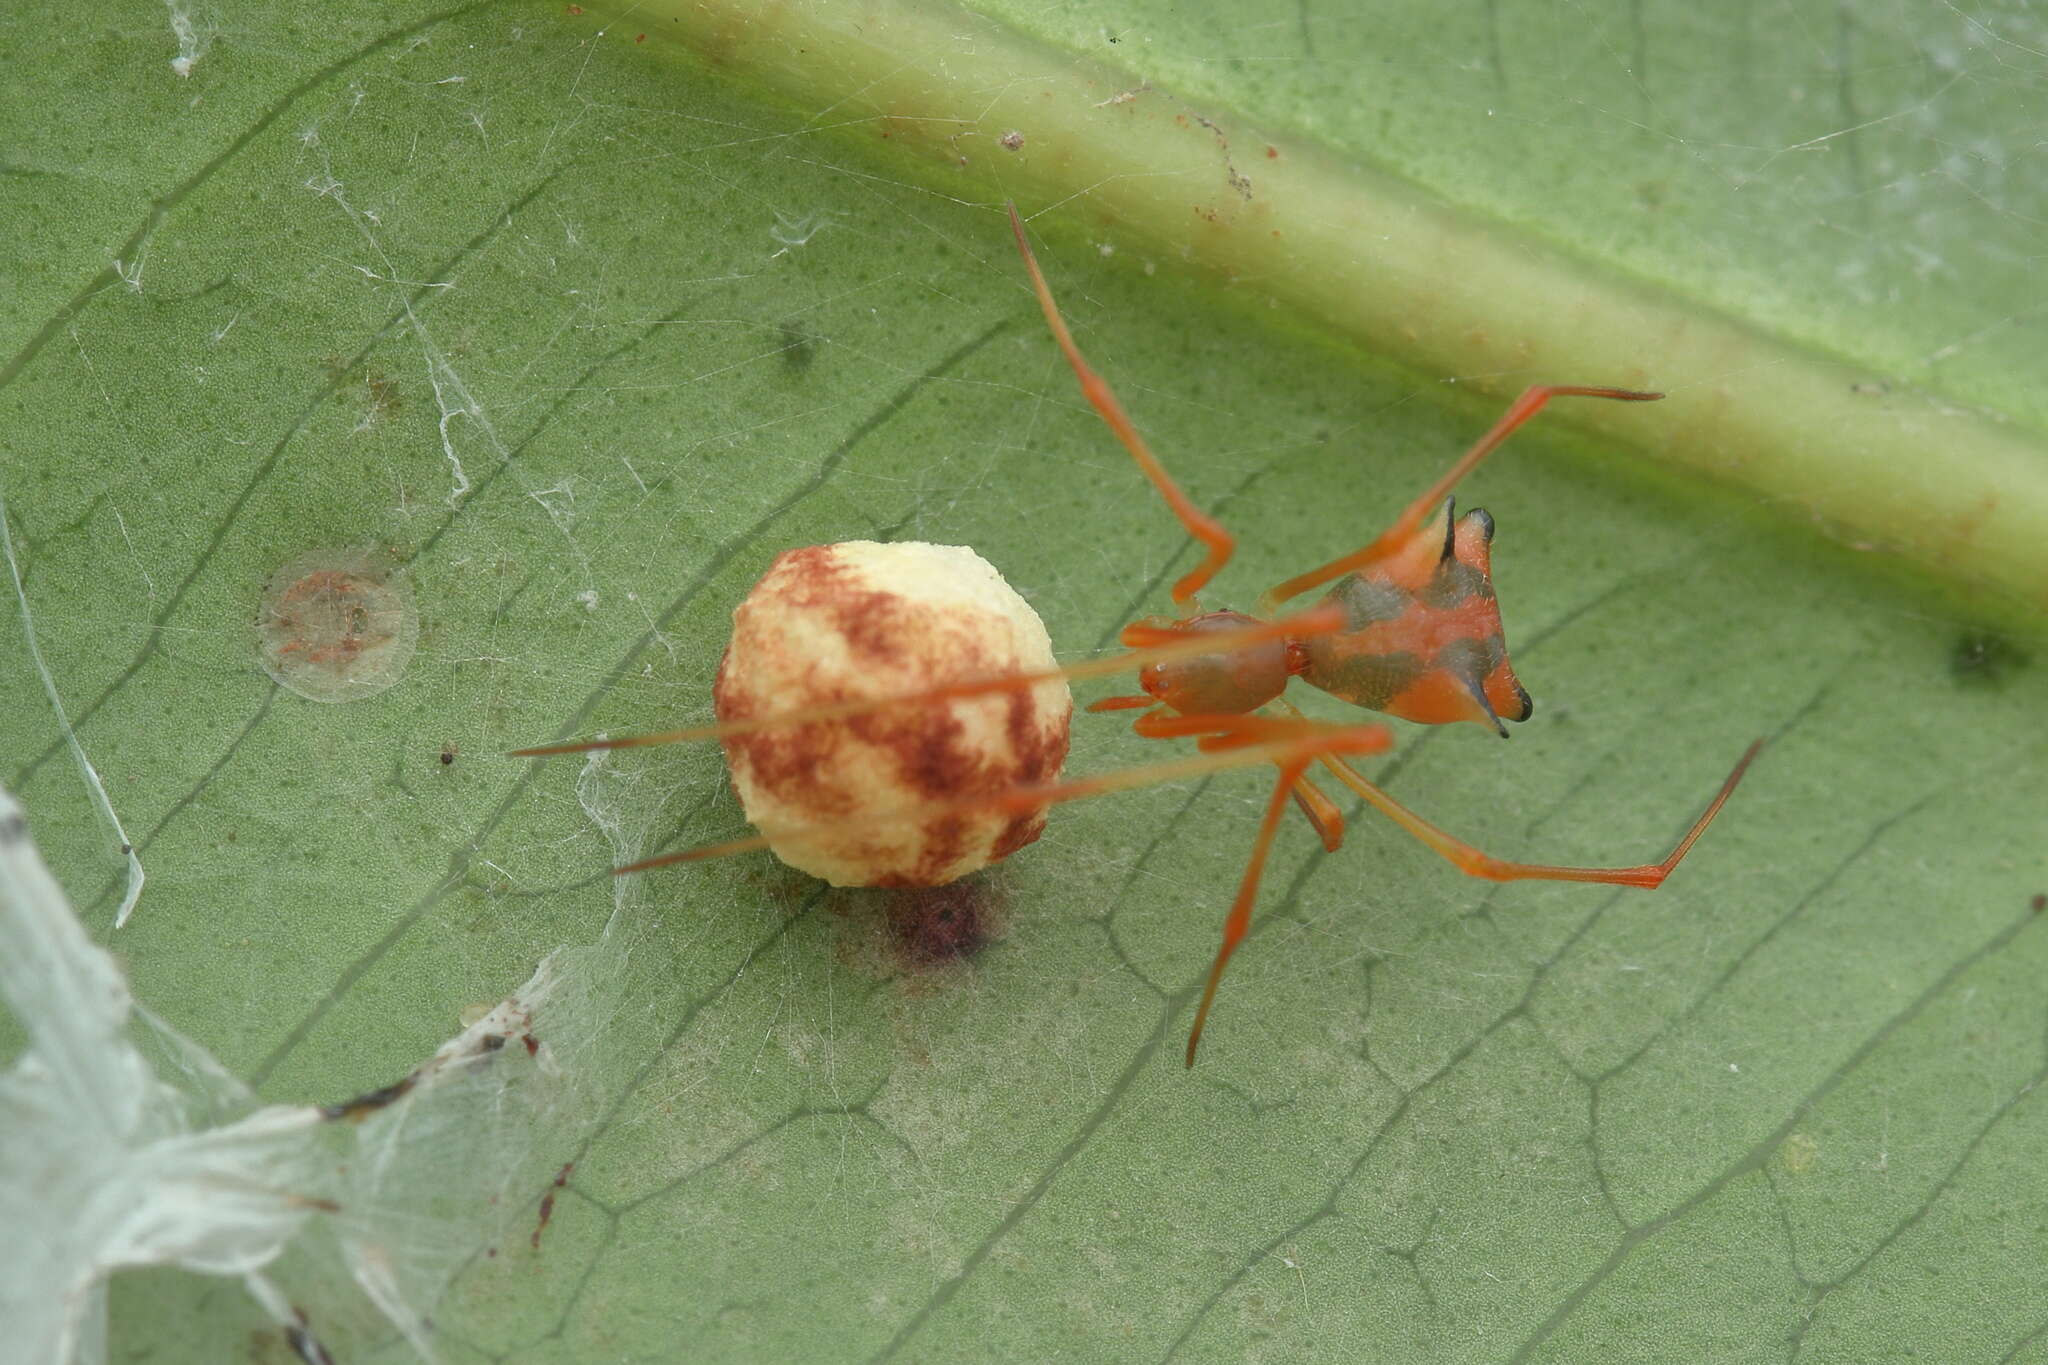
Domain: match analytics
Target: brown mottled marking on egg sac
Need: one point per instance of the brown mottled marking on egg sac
(1022, 831)
(781, 760)
(929, 747)
(931, 750)
(872, 624)
(817, 579)
(1041, 749)
(944, 844)
(925, 746)
(817, 564)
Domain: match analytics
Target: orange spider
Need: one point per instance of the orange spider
(1409, 627)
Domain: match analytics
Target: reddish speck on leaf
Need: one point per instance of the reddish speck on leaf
(547, 1211)
(547, 1202)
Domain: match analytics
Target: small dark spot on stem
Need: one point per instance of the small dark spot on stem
(1983, 658)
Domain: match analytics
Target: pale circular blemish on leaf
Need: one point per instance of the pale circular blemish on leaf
(336, 625)
(1798, 1153)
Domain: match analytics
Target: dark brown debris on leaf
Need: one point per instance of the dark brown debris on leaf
(931, 926)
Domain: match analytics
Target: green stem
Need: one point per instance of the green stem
(1883, 467)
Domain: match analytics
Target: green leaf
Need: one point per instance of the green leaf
(580, 330)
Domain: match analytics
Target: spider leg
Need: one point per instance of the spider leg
(1231, 742)
(1397, 536)
(1321, 811)
(1239, 920)
(1474, 862)
(1095, 388)
(1166, 647)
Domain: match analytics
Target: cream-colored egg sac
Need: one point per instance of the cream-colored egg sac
(859, 620)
